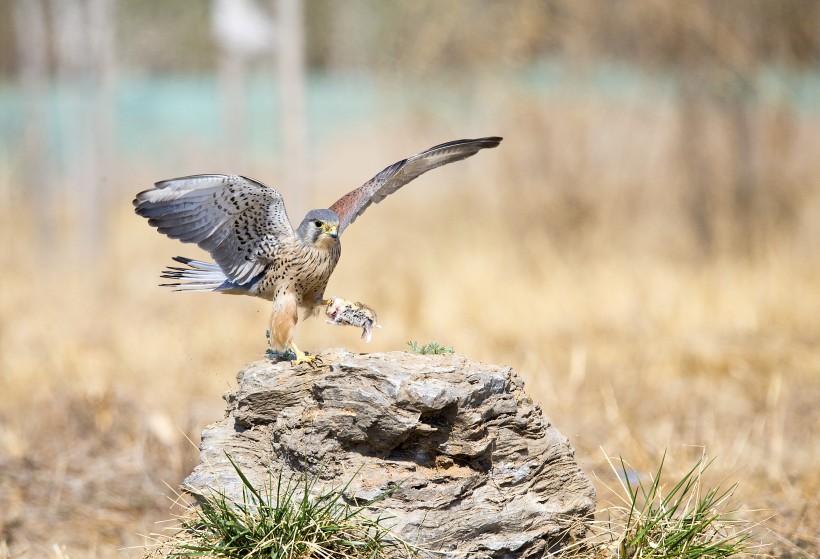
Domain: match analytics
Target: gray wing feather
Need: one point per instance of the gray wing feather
(390, 179)
(238, 220)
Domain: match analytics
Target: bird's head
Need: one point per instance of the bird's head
(319, 228)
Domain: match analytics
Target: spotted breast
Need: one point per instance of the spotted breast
(299, 269)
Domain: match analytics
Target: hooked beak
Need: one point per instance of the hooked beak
(333, 231)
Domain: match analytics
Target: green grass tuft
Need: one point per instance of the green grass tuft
(289, 519)
(432, 348)
(686, 521)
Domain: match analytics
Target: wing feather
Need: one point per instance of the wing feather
(353, 204)
(193, 220)
(236, 219)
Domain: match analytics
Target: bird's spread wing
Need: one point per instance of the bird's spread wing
(354, 203)
(239, 221)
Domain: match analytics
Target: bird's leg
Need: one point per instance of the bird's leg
(282, 322)
(302, 357)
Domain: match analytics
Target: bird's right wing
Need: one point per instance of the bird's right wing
(353, 204)
(238, 220)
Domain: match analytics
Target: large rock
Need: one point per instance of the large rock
(481, 470)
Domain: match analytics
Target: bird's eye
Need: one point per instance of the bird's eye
(317, 223)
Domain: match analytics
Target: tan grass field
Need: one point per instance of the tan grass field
(564, 253)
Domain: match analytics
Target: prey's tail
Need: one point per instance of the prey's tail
(199, 276)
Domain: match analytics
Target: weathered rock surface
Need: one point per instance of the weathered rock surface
(481, 471)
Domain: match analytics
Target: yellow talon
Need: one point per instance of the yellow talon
(302, 357)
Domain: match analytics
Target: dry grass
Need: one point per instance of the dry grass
(592, 288)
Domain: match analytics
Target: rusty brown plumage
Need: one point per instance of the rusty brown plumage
(390, 179)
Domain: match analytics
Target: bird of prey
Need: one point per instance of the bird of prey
(243, 224)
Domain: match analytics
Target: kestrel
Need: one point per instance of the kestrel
(243, 224)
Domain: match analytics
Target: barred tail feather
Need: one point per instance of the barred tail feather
(198, 276)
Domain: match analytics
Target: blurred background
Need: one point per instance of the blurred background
(642, 247)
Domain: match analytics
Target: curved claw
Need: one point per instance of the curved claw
(311, 360)
(302, 357)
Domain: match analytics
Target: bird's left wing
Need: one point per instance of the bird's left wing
(238, 220)
(353, 204)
